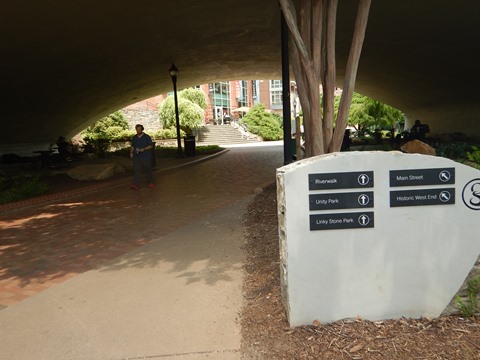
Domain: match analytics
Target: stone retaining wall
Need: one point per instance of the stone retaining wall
(148, 118)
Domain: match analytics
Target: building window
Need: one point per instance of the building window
(242, 93)
(275, 93)
(220, 99)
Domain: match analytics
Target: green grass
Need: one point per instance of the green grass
(469, 306)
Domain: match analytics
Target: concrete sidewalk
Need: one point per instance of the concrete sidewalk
(155, 273)
(178, 297)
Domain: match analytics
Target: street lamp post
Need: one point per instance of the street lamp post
(173, 74)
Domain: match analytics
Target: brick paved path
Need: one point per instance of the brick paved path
(50, 243)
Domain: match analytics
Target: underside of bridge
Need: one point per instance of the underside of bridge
(67, 63)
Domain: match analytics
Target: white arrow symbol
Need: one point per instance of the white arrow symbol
(363, 220)
(444, 175)
(363, 179)
(444, 196)
(363, 199)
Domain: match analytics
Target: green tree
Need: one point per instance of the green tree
(104, 125)
(369, 114)
(191, 110)
(196, 96)
(102, 132)
(262, 123)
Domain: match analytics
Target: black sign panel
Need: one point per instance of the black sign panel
(342, 221)
(445, 196)
(344, 180)
(351, 200)
(419, 177)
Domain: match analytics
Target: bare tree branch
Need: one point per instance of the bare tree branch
(302, 85)
(329, 74)
(351, 73)
(289, 12)
(317, 18)
(312, 123)
(305, 25)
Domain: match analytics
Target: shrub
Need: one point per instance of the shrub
(123, 135)
(170, 133)
(101, 127)
(99, 146)
(15, 189)
(362, 140)
(171, 151)
(454, 150)
(278, 119)
(263, 124)
(474, 155)
(101, 133)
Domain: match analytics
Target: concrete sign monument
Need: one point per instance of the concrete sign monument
(376, 235)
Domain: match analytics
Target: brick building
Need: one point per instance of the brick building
(222, 98)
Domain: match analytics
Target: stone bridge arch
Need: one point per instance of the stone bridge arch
(67, 63)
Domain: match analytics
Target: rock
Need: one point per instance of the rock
(418, 147)
(87, 172)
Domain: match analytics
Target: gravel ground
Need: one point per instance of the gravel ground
(267, 335)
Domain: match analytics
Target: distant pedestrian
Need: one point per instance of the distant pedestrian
(346, 141)
(419, 130)
(142, 158)
(62, 146)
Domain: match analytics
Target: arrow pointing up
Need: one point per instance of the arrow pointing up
(364, 220)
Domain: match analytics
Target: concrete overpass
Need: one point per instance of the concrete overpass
(67, 63)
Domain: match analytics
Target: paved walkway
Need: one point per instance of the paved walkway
(123, 274)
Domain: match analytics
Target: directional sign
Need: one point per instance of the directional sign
(342, 180)
(337, 221)
(439, 196)
(351, 200)
(419, 177)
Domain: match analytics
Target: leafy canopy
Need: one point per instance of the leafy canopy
(196, 96)
(191, 110)
(107, 127)
(101, 133)
(367, 113)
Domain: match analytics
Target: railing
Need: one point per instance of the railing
(243, 130)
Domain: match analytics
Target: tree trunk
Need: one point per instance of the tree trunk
(309, 87)
(329, 73)
(314, 34)
(351, 73)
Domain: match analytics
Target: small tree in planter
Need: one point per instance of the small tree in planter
(196, 96)
(191, 110)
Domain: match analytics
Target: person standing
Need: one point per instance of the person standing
(142, 158)
(419, 130)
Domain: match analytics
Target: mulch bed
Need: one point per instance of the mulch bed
(266, 333)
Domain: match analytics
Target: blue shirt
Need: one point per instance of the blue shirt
(142, 142)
